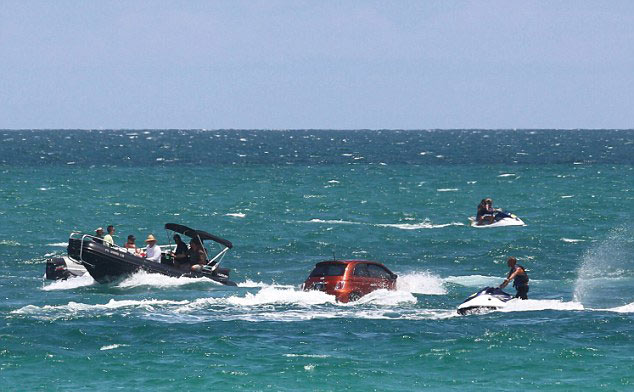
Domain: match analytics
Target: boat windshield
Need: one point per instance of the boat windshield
(328, 269)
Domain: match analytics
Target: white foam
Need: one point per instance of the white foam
(236, 214)
(567, 196)
(421, 283)
(307, 356)
(629, 308)
(447, 190)
(70, 284)
(385, 298)
(112, 347)
(474, 280)
(571, 240)
(507, 175)
(250, 283)
(518, 305)
(417, 226)
(274, 295)
(58, 244)
(73, 308)
(142, 278)
(340, 222)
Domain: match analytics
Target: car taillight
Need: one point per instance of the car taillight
(339, 285)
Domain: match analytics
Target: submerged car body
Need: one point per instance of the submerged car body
(349, 280)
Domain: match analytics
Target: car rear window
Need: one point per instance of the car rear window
(328, 270)
(371, 271)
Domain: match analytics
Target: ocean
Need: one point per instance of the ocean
(288, 199)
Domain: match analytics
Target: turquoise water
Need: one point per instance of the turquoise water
(288, 199)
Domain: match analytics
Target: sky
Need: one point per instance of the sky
(318, 64)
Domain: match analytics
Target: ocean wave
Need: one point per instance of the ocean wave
(112, 347)
(58, 244)
(236, 214)
(53, 312)
(333, 221)
(571, 240)
(10, 243)
(447, 190)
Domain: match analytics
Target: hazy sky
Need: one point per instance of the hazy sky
(316, 64)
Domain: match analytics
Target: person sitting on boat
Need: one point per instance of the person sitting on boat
(107, 239)
(519, 277)
(130, 245)
(197, 256)
(180, 254)
(99, 235)
(486, 213)
(153, 251)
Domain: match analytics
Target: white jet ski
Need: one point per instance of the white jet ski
(501, 219)
(489, 298)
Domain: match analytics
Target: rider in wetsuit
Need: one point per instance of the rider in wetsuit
(519, 277)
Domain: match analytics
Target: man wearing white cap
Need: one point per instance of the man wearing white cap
(153, 251)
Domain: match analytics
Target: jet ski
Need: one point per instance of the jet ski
(63, 267)
(489, 298)
(500, 219)
(106, 263)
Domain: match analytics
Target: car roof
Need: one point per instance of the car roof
(349, 262)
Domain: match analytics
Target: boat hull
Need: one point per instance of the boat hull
(106, 264)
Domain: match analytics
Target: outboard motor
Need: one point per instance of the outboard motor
(56, 269)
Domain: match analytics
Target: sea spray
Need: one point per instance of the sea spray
(606, 273)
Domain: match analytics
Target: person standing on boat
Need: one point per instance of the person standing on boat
(107, 239)
(519, 277)
(153, 251)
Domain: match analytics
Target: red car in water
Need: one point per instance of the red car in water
(349, 280)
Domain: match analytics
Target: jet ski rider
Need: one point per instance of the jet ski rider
(485, 212)
(519, 277)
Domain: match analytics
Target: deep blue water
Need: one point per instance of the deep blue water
(288, 199)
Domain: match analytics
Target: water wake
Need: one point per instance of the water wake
(425, 224)
(70, 284)
(142, 278)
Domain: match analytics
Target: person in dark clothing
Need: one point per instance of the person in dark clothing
(486, 213)
(518, 275)
(180, 254)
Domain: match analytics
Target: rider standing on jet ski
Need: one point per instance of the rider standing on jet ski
(519, 277)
